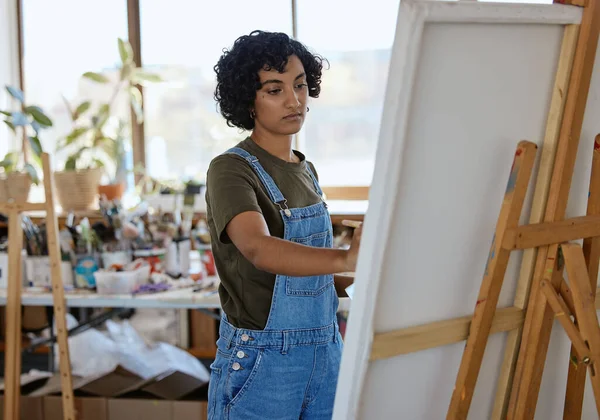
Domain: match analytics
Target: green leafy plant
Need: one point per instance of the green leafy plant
(28, 121)
(97, 131)
(115, 149)
(148, 185)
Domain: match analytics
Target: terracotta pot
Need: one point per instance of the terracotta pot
(112, 191)
(15, 186)
(78, 190)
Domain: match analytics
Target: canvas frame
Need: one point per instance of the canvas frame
(413, 15)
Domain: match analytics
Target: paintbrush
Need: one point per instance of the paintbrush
(351, 223)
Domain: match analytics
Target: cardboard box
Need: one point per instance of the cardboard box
(120, 395)
(31, 408)
(170, 385)
(137, 409)
(140, 409)
(190, 410)
(87, 408)
(115, 383)
(138, 405)
(192, 407)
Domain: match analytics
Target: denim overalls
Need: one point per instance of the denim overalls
(288, 370)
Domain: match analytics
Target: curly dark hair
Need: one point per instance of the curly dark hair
(237, 72)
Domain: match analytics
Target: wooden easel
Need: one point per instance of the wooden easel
(564, 302)
(547, 239)
(12, 356)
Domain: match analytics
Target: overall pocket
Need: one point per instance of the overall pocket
(217, 396)
(213, 391)
(312, 285)
(241, 372)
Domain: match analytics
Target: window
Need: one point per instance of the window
(8, 141)
(9, 71)
(341, 132)
(62, 40)
(520, 1)
(182, 42)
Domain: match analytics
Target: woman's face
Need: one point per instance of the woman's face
(280, 104)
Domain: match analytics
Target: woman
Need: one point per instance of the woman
(279, 347)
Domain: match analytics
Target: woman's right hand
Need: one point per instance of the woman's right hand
(352, 254)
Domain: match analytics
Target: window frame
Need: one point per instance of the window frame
(138, 141)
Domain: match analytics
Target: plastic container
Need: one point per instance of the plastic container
(84, 272)
(4, 269)
(37, 272)
(121, 282)
(155, 257)
(116, 258)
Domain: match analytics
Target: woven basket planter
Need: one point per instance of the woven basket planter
(78, 190)
(15, 186)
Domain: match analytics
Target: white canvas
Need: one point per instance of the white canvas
(467, 82)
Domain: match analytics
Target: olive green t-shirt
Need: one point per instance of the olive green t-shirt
(233, 187)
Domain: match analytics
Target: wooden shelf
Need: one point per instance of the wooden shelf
(25, 343)
(202, 353)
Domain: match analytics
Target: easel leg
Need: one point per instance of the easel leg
(58, 295)
(492, 282)
(563, 315)
(591, 251)
(585, 308)
(540, 198)
(535, 339)
(12, 357)
(539, 317)
(595, 379)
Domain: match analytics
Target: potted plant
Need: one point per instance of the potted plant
(19, 168)
(194, 187)
(97, 138)
(115, 148)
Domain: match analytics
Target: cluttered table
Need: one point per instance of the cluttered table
(109, 235)
(184, 298)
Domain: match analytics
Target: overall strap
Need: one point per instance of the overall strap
(274, 192)
(314, 178)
